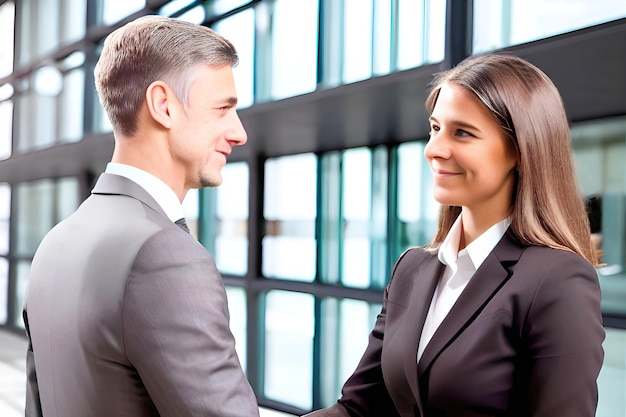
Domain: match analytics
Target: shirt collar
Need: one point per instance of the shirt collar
(478, 250)
(160, 191)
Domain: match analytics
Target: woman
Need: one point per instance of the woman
(500, 315)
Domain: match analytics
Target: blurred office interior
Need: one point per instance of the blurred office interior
(332, 186)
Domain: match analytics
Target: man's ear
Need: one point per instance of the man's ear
(159, 100)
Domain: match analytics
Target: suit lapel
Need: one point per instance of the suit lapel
(425, 282)
(486, 282)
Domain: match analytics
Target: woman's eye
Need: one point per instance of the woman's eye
(462, 133)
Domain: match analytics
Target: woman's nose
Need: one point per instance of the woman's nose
(437, 147)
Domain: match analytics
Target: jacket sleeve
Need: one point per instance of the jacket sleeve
(365, 393)
(33, 402)
(177, 335)
(565, 334)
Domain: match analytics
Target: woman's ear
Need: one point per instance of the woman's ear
(159, 100)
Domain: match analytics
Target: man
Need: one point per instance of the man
(126, 312)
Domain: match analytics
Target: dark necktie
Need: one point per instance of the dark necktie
(183, 224)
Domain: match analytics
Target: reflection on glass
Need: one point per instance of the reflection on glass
(600, 157)
(239, 29)
(6, 129)
(289, 210)
(34, 210)
(237, 310)
(22, 271)
(289, 347)
(5, 214)
(612, 378)
(4, 288)
(345, 326)
(417, 209)
(294, 47)
(73, 27)
(115, 10)
(231, 240)
(357, 58)
(498, 24)
(67, 198)
(7, 15)
(421, 32)
(71, 106)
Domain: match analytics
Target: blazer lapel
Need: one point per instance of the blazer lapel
(486, 282)
(425, 282)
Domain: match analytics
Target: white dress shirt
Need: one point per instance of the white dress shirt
(160, 191)
(460, 268)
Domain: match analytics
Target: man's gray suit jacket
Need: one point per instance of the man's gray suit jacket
(127, 315)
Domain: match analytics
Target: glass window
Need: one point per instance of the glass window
(67, 197)
(71, 106)
(357, 50)
(498, 24)
(289, 348)
(231, 240)
(290, 207)
(418, 211)
(294, 47)
(112, 11)
(22, 271)
(345, 328)
(5, 215)
(7, 20)
(612, 378)
(382, 37)
(6, 129)
(421, 32)
(4, 289)
(239, 29)
(237, 310)
(223, 6)
(74, 20)
(34, 214)
(600, 156)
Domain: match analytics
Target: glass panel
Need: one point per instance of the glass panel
(71, 106)
(237, 309)
(74, 18)
(421, 32)
(68, 193)
(115, 10)
(33, 215)
(22, 271)
(331, 229)
(289, 348)
(418, 211)
(4, 289)
(231, 241)
(5, 214)
(239, 29)
(6, 129)
(46, 24)
(357, 50)
(289, 210)
(509, 22)
(294, 47)
(345, 328)
(600, 157)
(7, 21)
(223, 6)
(612, 378)
(195, 15)
(174, 6)
(382, 37)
